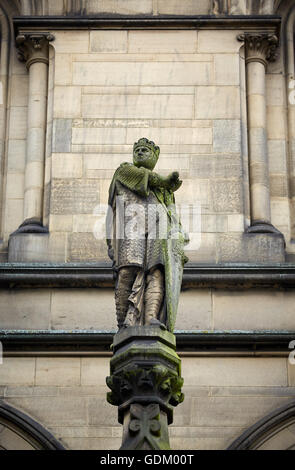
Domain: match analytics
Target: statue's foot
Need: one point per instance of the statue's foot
(156, 322)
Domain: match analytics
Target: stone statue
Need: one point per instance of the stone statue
(145, 241)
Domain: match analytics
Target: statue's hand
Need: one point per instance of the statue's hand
(174, 181)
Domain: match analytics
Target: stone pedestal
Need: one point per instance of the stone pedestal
(146, 384)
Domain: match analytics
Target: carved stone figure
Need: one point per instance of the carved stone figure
(145, 241)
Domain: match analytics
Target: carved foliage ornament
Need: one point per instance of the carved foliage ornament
(33, 47)
(260, 47)
(155, 381)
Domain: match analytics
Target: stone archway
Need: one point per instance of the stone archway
(275, 431)
(19, 431)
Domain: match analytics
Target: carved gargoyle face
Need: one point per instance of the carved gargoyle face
(143, 156)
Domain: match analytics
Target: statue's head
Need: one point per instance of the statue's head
(145, 153)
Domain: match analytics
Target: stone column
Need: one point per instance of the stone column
(259, 49)
(34, 50)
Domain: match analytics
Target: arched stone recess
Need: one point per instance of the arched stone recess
(276, 431)
(19, 431)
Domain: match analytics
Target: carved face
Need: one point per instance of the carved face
(144, 156)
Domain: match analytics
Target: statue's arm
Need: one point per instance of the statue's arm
(171, 182)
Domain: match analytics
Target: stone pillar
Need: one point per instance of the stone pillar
(259, 49)
(34, 50)
(146, 383)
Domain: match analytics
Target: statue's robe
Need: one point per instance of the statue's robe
(131, 185)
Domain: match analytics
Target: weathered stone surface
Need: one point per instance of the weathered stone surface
(276, 125)
(71, 42)
(14, 215)
(58, 411)
(237, 371)
(227, 195)
(18, 122)
(19, 90)
(57, 371)
(277, 156)
(172, 135)
(276, 391)
(81, 309)
(213, 223)
(84, 247)
(92, 443)
(94, 371)
(260, 248)
(216, 166)
(63, 69)
(127, 7)
(254, 310)
(108, 41)
(233, 411)
(67, 102)
(61, 223)
(15, 185)
(96, 136)
(194, 310)
(162, 42)
(143, 74)
(279, 186)
(30, 391)
(217, 102)
(218, 41)
(62, 135)
(226, 136)
(101, 412)
(28, 248)
(73, 196)
(141, 106)
(226, 69)
(274, 89)
(66, 165)
(236, 223)
(18, 309)
(16, 155)
(186, 7)
(17, 370)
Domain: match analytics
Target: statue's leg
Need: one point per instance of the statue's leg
(154, 295)
(125, 280)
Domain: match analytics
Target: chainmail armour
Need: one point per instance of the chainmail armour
(136, 258)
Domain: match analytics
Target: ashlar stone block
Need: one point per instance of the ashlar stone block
(62, 135)
(162, 41)
(57, 371)
(217, 102)
(74, 196)
(227, 136)
(67, 102)
(108, 41)
(173, 73)
(137, 106)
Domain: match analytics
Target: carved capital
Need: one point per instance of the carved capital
(260, 47)
(33, 47)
